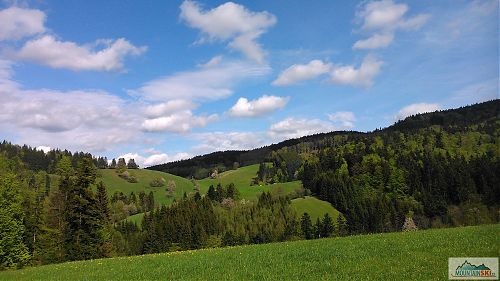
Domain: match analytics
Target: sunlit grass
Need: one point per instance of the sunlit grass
(421, 255)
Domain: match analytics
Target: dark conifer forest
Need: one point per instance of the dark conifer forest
(440, 169)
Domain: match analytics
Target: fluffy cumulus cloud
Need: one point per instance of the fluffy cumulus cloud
(343, 119)
(153, 159)
(232, 23)
(381, 19)
(298, 127)
(167, 108)
(416, 108)
(17, 23)
(177, 122)
(173, 98)
(301, 72)
(103, 55)
(82, 119)
(257, 107)
(221, 141)
(362, 76)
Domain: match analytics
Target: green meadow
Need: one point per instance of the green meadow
(114, 183)
(242, 178)
(421, 255)
(314, 207)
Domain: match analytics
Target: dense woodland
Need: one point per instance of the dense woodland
(441, 169)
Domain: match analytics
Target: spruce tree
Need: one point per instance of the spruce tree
(13, 251)
(306, 226)
(83, 233)
(327, 226)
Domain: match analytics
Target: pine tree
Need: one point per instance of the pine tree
(197, 196)
(83, 233)
(47, 185)
(306, 226)
(342, 226)
(211, 193)
(121, 166)
(103, 203)
(131, 164)
(327, 226)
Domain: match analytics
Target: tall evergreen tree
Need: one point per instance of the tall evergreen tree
(306, 226)
(13, 251)
(327, 226)
(83, 233)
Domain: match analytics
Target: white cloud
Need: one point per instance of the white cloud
(230, 22)
(221, 141)
(362, 76)
(17, 23)
(257, 107)
(49, 51)
(301, 72)
(206, 83)
(178, 122)
(154, 159)
(298, 127)
(375, 41)
(344, 119)
(88, 120)
(167, 108)
(416, 108)
(383, 18)
(44, 148)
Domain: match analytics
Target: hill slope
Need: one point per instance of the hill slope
(450, 120)
(242, 177)
(314, 207)
(114, 183)
(421, 255)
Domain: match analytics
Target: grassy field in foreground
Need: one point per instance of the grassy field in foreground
(314, 207)
(421, 255)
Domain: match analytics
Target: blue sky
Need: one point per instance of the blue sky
(164, 80)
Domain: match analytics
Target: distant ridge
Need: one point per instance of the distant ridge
(450, 120)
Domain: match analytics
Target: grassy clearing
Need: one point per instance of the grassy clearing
(421, 255)
(114, 183)
(314, 207)
(242, 177)
(137, 218)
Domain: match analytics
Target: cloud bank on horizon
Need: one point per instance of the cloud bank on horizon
(180, 80)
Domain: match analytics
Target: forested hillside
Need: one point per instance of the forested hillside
(437, 169)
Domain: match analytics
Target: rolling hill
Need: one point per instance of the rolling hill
(314, 207)
(242, 177)
(421, 255)
(114, 183)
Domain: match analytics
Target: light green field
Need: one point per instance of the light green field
(421, 255)
(242, 177)
(137, 218)
(314, 207)
(114, 183)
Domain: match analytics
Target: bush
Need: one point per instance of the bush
(158, 182)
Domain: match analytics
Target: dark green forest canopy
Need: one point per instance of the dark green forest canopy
(430, 170)
(482, 117)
